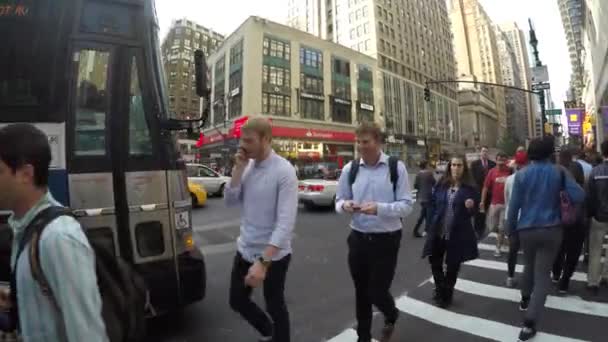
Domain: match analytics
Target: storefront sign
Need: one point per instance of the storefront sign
(14, 10)
(312, 96)
(292, 132)
(575, 118)
(342, 101)
(236, 127)
(367, 107)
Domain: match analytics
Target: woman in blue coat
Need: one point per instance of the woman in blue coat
(451, 239)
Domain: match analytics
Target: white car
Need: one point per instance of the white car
(317, 192)
(203, 175)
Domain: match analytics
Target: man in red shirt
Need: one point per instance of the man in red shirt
(495, 185)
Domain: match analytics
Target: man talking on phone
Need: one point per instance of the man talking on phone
(266, 187)
(375, 190)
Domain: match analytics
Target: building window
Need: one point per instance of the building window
(341, 113)
(276, 76)
(236, 53)
(311, 84)
(276, 104)
(186, 43)
(311, 58)
(312, 109)
(276, 48)
(236, 96)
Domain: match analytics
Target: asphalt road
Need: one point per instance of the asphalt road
(320, 294)
(319, 291)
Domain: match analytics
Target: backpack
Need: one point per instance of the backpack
(123, 291)
(393, 163)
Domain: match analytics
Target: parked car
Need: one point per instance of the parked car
(198, 194)
(203, 175)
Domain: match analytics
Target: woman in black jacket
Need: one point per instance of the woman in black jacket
(574, 235)
(451, 238)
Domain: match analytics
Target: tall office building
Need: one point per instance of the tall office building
(516, 100)
(572, 18)
(178, 48)
(483, 110)
(516, 37)
(412, 43)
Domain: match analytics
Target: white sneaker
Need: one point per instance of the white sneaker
(497, 252)
(505, 249)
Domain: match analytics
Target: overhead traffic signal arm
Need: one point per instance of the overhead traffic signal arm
(427, 91)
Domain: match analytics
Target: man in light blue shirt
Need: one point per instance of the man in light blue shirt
(377, 209)
(66, 258)
(266, 186)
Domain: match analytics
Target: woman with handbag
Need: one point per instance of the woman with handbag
(574, 234)
(451, 239)
(544, 195)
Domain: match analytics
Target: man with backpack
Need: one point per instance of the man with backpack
(69, 308)
(375, 190)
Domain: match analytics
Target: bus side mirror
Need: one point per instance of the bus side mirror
(200, 71)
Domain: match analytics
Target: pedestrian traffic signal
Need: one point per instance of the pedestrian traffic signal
(427, 94)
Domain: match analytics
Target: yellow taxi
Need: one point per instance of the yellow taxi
(198, 194)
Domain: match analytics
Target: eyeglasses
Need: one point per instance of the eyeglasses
(457, 165)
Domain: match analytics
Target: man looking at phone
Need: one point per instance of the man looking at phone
(266, 186)
(376, 208)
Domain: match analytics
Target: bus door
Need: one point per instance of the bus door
(117, 180)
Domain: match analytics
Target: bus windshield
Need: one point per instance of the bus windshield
(34, 45)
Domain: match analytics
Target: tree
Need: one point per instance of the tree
(509, 144)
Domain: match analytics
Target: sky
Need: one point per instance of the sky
(225, 16)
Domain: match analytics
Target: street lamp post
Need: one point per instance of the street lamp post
(541, 93)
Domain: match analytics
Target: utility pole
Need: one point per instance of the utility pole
(541, 93)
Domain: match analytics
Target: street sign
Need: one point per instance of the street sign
(541, 86)
(540, 74)
(553, 112)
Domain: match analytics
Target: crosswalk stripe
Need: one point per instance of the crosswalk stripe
(491, 248)
(572, 304)
(470, 324)
(348, 335)
(502, 266)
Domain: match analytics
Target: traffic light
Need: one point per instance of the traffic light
(427, 94)
(200, 67)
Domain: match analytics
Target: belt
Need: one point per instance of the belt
(376, 236)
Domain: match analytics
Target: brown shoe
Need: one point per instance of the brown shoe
(388, 331)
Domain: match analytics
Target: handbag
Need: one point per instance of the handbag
(567, 208)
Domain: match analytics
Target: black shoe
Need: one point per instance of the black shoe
(523, 305)
(448, 295)
(563, 286)
(417, 234)
(555, 279)
(267, 339)
(527, 332)
(437, 294)
(361, 339)
(595, 290)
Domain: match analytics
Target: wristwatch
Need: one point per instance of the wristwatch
(265, 261)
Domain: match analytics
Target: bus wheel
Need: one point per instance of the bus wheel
(194, 200)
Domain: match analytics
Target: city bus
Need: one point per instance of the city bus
(89, 74)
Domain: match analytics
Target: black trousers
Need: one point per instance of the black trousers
(444, 277)
(422, 218)
(570, 251)
(480, 224)
(514, 246)
(274, 288)
(372, 259)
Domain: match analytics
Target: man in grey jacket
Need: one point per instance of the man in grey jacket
(597, 204)
(424, 183)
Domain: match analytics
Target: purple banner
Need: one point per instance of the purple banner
(575, 120)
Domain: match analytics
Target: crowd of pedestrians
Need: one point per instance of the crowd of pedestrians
(552, 206)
